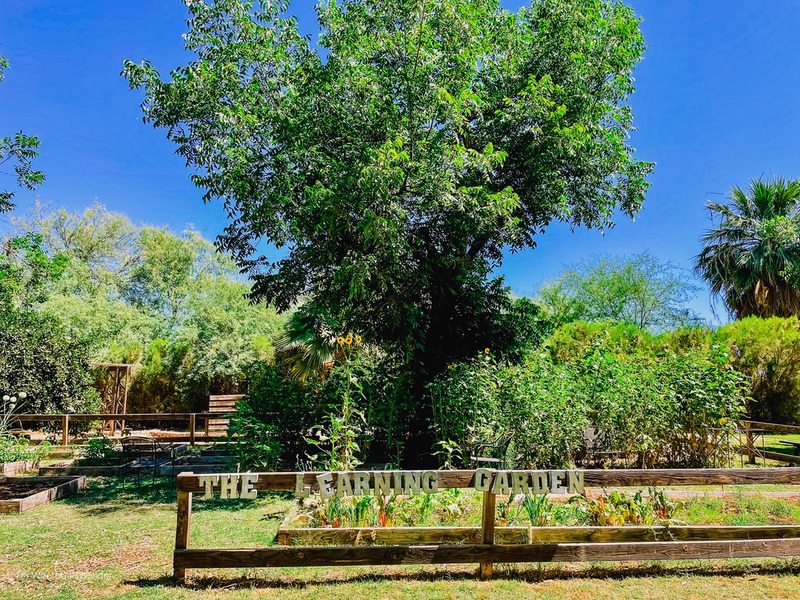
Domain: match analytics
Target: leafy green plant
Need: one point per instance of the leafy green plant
(337, 438)
(619, 508)
(539, 509)
(99, 450)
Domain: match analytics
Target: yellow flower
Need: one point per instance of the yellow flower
(486, 351)
(358, 339)
(340, 340)
(449, 366)
(723, 420)
(349, 339)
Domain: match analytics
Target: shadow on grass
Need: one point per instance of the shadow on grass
(104, 495)
(533, 574)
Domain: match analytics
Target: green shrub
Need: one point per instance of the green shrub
(13, 449)
(52, 369)
(656, 406)
(767, 351)
(273, 420)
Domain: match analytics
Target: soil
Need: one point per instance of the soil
(11, 490)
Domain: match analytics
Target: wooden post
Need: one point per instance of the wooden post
(191, 429)
(182, 530)
(65, 430)
(487, 530)
(751, 454)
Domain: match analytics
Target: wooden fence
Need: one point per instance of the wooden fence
(66, 419)
(488, 544)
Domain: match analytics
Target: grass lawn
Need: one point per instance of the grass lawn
(114, 542)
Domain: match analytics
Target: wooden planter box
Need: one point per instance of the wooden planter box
(198, 464)
(86, 471)
(394, 536)
(43, 490)
(20, 466)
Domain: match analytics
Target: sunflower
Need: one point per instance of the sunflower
(340, 340)
(358, 339)
(349, 339)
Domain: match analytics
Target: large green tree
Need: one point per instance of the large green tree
(638, 290)
(753, 247)
(18, 150)
(395, 161)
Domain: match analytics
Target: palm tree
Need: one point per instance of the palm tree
(756, 244)
(308, 345)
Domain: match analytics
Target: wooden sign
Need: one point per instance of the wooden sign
(405, 483)
(488, 544)
(230, 486)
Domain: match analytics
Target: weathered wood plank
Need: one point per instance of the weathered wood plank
(774, 427)
(780, 456)
(399, 536)
(344, 536)
(19, 466)
(479, 553)
(182, 531)
(126, 416)
(285, 482)
(487, 529)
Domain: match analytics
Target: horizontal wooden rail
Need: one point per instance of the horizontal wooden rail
(66, 418)
(773, 427)
(365, 536)
(125, 416)
(486, 544)
(479, 553)
(286, 482)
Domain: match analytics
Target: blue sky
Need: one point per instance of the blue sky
(717, 103)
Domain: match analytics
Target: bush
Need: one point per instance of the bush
(53, 370)
(654, 404)
(274, 420)
(13, 449)
(767, 351)
(536, 402)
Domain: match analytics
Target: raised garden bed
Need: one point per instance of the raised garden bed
(202, 464)
(70, 468)
(19, 466)
(18, 494)
(452, 518)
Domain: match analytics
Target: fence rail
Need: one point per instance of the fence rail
(66, 418)
(485, 544)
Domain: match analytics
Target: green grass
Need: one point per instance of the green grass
(117, 542)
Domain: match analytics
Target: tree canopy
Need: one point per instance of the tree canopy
(639, 290)
(20, 150)
(139, 294)
(395, 161)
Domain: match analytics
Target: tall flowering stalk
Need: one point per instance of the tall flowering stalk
(337, 439)
(11, 405)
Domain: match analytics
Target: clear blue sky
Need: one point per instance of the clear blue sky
(717, 103)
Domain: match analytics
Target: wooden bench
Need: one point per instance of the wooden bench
(225, 404)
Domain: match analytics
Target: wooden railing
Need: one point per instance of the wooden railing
(487, 544)
(66, 418)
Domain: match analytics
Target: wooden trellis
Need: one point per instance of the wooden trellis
(114, 392)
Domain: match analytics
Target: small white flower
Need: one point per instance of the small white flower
(6, 398)
(13, 399)
(23, 395)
